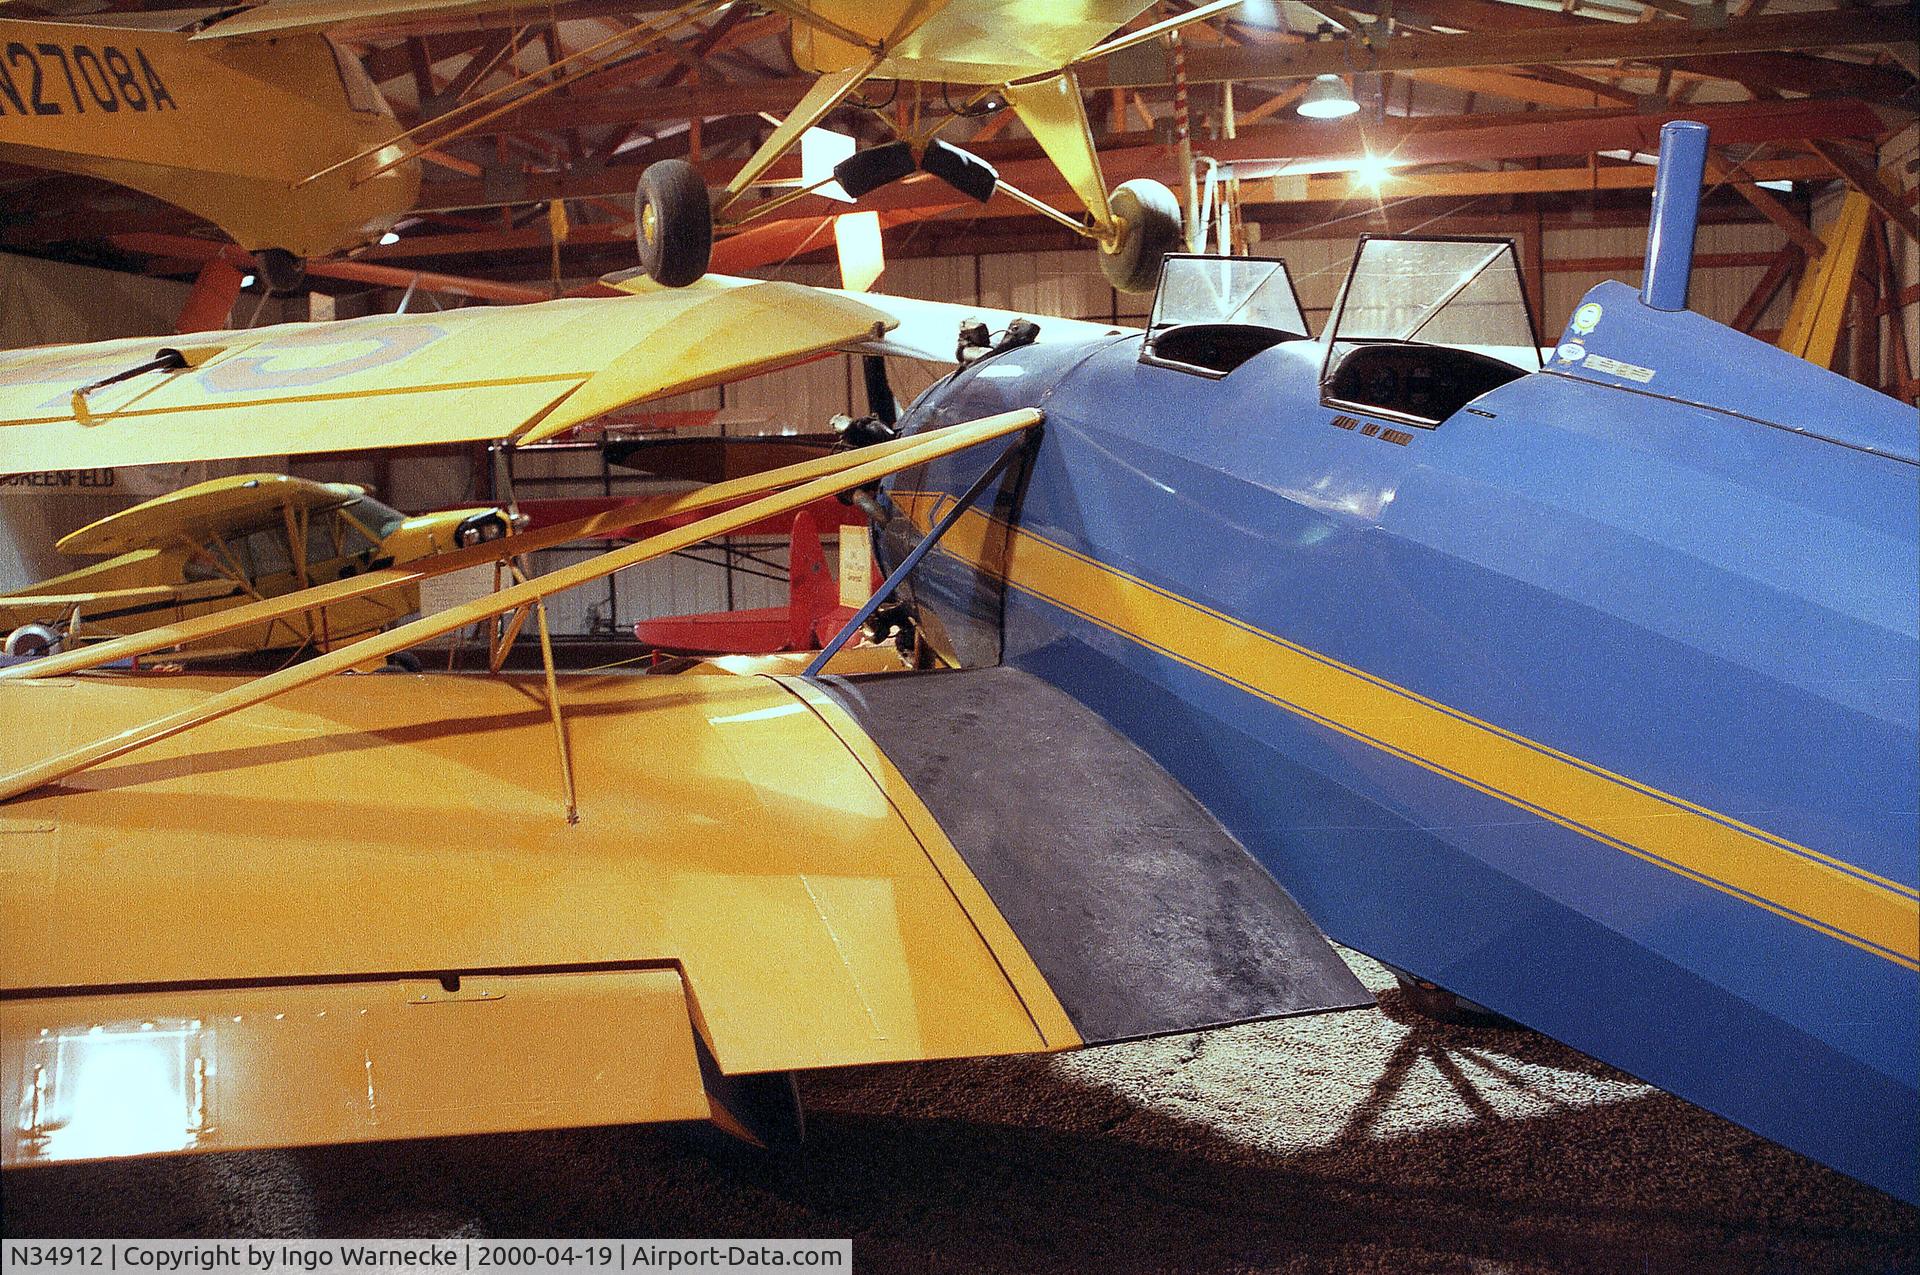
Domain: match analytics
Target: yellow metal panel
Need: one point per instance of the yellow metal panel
(227, 1069)
(282, 17)
(242, 502)
(1049, 1016)
(971, 42)
(734, 334)
(1053, 111)
(1820, 306)
(149, 109)
(386, 824)
(400, 380)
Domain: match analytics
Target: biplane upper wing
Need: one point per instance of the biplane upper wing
(917, 329)
(485, 373)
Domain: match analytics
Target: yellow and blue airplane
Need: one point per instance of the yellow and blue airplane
(1582, 687)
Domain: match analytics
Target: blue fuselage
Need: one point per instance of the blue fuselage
(1595, 707)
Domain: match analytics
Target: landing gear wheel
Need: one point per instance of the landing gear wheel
(32, 640)
(673, 223)
(282, 271)
(1430, 1000)
(1150, 218)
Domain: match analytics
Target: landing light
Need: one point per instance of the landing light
(391, 237)
(1327, 98)
(246, 281)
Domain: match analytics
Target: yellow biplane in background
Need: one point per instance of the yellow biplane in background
(148, 100)
(218, 544)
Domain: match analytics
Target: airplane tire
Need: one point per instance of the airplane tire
(1152, 218)
(1432, 1001)
(673, 223)
(30, 640)
(282, 271)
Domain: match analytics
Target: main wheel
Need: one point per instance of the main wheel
(282, 271)
(1150, 229)
(673, 222)
(31, 640)
(1430, 1000)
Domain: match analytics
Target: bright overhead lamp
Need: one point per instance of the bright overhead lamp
(1327, 98)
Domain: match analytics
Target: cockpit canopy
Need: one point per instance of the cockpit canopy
(1425, 326)
(1211, 314)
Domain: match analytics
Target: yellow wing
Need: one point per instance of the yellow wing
(521, 372)
(283, 17)
(219, 507)
(371, 910)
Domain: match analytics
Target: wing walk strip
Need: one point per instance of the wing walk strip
(1810, 888)
(847, 470)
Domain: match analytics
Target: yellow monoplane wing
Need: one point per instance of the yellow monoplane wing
(961, 41)
(219, 507)
(284, 17)
(508, 372)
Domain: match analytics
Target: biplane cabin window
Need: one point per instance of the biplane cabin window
(264, 553)
(1212, 314)
(323, 538)
(1425, 326)
(362, 94)
(200, 565)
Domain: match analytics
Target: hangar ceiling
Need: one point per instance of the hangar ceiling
(1491, 113)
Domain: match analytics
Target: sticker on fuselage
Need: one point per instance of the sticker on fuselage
(1625, 371)
(1571, 352)
(1587, 317)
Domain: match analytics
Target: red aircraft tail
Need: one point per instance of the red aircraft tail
(812, 616)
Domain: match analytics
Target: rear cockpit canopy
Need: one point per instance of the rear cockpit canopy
(1211, 314)
(1426, 325)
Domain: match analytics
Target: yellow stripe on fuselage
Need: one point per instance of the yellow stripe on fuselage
(1803, 885)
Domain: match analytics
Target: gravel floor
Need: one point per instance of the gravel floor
(1368, 1141)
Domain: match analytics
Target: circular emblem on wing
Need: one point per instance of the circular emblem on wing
(1587, 317)
(311, 359)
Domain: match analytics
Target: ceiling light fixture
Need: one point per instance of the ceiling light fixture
(1371, 170)
(1327, 98)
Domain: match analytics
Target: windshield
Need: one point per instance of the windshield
(1249, 290)
(378, 518)
(1461, 293)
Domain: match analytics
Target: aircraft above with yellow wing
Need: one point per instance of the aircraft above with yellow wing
(148, 100)
(230, 540)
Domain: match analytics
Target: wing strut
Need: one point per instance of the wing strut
(170, 636)
(852, 472)
(912, 559)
